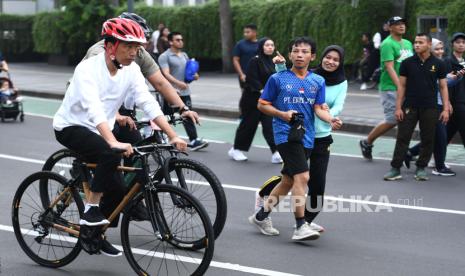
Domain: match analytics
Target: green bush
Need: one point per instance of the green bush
(280, 20)
(15, 34)
(48, 37)
(327, 21)
(82, 21)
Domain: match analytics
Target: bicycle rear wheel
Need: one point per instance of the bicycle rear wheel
(60, 162)
(186, 224)
(32, 223)
(203, 184)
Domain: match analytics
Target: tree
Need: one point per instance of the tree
(226, 35)
(399, 7)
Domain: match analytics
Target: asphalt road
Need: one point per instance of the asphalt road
(418, 229)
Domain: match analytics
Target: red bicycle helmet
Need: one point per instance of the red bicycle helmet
(124, 30)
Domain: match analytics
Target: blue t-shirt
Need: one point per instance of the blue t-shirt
(1, 56)
(285, 91)
(245, 50)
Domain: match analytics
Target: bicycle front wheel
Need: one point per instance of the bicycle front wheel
(167, 252)
(203, 184)
(34, 225)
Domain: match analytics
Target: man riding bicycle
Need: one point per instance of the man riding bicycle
(125, 128)
(85, 119)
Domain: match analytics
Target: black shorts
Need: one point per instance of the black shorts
(295, 158)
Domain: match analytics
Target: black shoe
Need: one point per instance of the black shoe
(139, 212)
(444, 172)
(366, 149)
(197, 144)
(108, 249)
(408, 158)
(93, 217)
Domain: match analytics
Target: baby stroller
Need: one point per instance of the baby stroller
(11, 106)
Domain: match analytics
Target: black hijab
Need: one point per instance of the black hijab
(266, 59)
(338, 76)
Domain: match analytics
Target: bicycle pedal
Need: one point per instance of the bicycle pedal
(90, 238)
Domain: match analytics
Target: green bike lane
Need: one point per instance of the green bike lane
(223, 131)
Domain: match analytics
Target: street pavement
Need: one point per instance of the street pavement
(213, 94)
(373, 227)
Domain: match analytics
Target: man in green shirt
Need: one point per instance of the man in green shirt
(394, 50)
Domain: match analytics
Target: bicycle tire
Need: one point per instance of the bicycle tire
(20, 204)
(132, 232)
(59, 162)
(192, 171)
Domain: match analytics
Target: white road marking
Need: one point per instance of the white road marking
(160, 255)
(245, 188)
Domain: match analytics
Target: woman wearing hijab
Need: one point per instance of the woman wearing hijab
(331, 68)
(260, 68)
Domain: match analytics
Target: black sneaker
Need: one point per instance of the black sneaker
(197, 144)
(366, 149)
(444, 172)
(93, 217)
(140, 212)
(408, 158)
(108, 249)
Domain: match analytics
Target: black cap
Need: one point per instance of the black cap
(457, 35)
(394, 20)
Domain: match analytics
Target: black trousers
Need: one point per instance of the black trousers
(250, 118)
(427, 117)
(457, 123)
(319, 160)
(189, 125)
(94, 148)
(440, 145)
(124, 134)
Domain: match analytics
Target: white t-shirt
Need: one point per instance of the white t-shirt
(154, 40)
(94, 96)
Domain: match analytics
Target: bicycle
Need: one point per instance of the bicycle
(188, 174)
(179, 226)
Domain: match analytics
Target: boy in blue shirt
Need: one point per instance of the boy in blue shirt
(286, 93)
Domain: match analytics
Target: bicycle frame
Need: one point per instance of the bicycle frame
(85, 175)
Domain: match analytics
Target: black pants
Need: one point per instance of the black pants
(250, 117)
(124, 134)
(440, 145)
(95, 149)
(457, 123)
(427, 117)
(319, 159)
(189, 125)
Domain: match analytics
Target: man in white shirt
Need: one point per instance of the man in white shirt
(85, 120)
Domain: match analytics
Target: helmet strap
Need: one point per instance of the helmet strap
(113, 57)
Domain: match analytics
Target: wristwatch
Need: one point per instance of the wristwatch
(183, 109)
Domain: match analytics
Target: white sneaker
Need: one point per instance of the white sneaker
(364, 86)
(237, 155)
(259, 202)
(305, 233)
(265, 226)
(276, 158)
(316, 227)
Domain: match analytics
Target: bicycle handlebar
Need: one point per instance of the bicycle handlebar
(172, 120)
